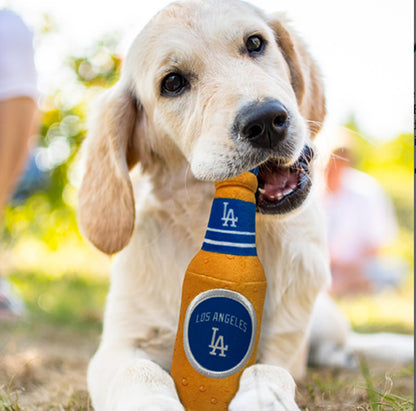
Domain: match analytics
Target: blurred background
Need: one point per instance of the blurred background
(364, 50)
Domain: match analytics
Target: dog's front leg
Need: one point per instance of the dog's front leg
(265, 387)
(125, 379)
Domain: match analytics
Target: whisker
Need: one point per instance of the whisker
(314, 125)
(318, 123)
(338, 156)
(307, 177)
(372, 141)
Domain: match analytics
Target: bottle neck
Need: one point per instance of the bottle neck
(232, 222)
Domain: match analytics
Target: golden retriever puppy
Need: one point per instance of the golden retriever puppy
(209, 89)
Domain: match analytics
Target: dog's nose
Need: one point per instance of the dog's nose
(263, 124)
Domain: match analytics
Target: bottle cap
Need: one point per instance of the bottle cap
(247, 179)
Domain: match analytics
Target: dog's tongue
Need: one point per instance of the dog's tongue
(277, 183)
(276, 178)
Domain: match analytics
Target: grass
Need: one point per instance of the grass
(74, 300)
(362, 389)
(46, 356)
(7, 403)
(79, 402)
(384, 399)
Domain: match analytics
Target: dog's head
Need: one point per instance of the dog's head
(215, 84)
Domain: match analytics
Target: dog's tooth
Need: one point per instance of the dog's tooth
(261, 190)
(279, 196)
(287, 191)
(293, 186)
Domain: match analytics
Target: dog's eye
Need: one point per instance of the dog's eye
(255, 45)
(174, 84)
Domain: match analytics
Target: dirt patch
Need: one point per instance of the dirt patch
(45, 368)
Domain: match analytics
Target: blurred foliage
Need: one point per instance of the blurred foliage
(392, 164)
(49, 212)
(101, 68)
(47, 25)
(63, 126)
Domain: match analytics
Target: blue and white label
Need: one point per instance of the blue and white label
(231, 228)
(219, 332)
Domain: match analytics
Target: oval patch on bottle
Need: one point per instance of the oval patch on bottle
(219, 332)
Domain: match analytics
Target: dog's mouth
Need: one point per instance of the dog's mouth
(282, 189)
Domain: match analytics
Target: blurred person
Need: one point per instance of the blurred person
(360, 222)
(18, 108)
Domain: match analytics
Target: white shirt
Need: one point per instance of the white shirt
(359, 216)
(17, 67)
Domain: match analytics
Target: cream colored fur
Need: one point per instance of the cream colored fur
(157, 214)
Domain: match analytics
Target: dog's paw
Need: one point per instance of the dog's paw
(265, 388)
(143, 386)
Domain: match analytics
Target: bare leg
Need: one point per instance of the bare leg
(17, 117)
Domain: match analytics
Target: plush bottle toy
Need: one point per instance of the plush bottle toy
(222, 302)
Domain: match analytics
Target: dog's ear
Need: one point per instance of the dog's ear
(305, 76)
(106, 206)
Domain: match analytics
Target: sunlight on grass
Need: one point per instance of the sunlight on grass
(72, 299)
(73, 255)
(387, 311)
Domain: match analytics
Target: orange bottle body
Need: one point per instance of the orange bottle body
(223, 295)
